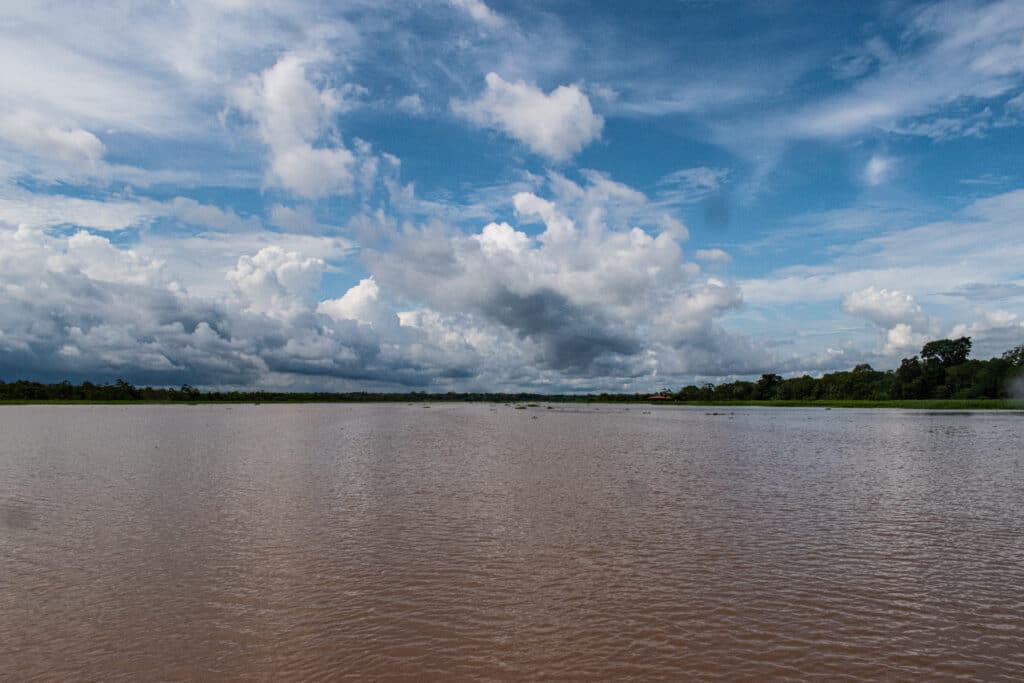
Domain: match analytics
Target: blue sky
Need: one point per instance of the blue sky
(556, 196)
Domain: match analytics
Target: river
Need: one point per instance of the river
(480, 542)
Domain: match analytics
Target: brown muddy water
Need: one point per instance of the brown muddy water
(477, 542)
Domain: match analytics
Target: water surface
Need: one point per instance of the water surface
(320, 542)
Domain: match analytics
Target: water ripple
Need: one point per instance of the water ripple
(392, 543)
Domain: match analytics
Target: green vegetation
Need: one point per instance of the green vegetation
(922, 404)
(941, 377)
(942, 372)
(121, 391)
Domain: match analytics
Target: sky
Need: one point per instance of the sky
(447, 195)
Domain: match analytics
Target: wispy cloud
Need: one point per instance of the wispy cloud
(879, 170)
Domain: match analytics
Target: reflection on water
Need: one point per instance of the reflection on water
(383, 541)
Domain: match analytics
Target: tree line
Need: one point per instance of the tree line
(121, 390)
(943, 370)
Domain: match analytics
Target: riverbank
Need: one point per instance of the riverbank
(925, 404)
(909, 404)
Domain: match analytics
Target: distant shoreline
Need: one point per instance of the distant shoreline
(908, 404)
(911, 404)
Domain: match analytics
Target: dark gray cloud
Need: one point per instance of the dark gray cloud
(109, 312)
(573, 338)
(592, 300)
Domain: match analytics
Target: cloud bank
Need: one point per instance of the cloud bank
(459, 194)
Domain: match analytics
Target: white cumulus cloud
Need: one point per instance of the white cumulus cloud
(591, 296)
(884, 307)
(276, 282)
(908, 325)
(902, 338)
(292, 116)
(557, 124)
(362, 303)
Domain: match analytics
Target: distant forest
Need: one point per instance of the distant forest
(943, 370)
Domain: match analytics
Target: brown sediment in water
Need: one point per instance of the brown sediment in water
(379, 542)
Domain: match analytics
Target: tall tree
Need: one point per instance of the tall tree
(947, 352)
(1015, 355)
